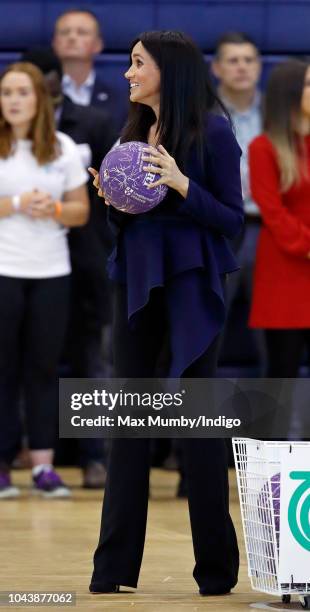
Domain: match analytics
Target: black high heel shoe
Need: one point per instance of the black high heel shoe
(106, 587)
(205, 592)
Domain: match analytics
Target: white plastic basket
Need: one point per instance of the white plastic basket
(258, 467)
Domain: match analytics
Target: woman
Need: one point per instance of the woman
(169, 266)
(42, 192)
(280, 184)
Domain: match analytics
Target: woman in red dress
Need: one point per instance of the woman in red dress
(280, 184)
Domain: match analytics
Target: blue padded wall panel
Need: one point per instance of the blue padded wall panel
(21, 24)
(288, 27)
(121, 21)
(8, 58)
(275, 25)
(206, 22)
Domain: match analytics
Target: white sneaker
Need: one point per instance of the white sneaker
(6, 488)
(49, 484)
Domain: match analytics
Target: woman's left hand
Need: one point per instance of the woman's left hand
(166, 166)
(42, 206)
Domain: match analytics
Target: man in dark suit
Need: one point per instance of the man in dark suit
(91, 129)
(77, 40)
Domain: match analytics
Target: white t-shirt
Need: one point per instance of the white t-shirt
(37, 248)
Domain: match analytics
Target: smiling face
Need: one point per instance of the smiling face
(144, 77)
(18, 100)
(76, 37)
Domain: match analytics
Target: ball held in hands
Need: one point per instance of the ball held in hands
(124, 181)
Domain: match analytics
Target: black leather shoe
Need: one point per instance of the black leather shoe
(204, 592)
(106, 587)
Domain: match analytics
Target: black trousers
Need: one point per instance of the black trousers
(33, 319)
(119, 553)
(285, 349)
(90, 310)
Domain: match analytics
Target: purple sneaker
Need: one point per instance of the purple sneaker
(6, 488)
(48, 484)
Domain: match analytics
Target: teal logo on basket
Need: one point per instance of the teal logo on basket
(299, 510)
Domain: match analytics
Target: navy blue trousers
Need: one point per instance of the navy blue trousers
(119, 553)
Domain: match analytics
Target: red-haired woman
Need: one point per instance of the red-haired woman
(42, 193)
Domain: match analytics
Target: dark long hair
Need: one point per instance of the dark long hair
(282, 112)
(186, 95)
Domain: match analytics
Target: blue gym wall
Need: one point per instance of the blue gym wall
(278, 27)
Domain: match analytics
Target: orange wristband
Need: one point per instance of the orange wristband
(58, 209)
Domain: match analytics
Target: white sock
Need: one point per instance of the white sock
(43, 467)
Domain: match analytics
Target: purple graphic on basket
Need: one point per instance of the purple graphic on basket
(125, 183)
(268, 507)
(265, 509)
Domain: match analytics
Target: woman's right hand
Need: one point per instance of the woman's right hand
(95, 174)
(34, 203)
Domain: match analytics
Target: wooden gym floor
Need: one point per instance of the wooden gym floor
(47, 545)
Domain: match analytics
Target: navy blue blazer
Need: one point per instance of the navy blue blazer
(112, 101)
(182, 245)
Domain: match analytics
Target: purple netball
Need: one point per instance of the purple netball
(125, 183)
